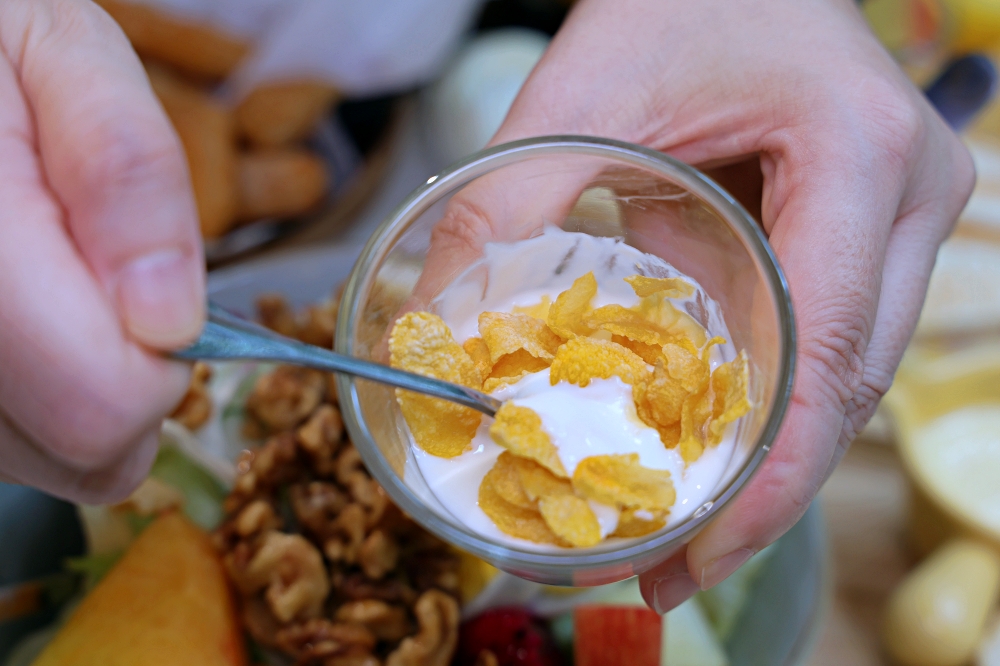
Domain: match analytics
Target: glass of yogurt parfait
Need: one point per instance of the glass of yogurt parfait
(554, 212)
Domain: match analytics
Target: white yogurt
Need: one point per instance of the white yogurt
(597, 420)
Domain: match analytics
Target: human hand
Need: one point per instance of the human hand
(100, 256)
(861, 182)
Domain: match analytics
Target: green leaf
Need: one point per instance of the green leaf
(93, 567)
(203, 493)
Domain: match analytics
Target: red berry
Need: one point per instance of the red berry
(513, 635)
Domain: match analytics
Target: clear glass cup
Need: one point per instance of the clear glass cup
(604, 188)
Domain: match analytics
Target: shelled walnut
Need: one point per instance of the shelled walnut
(196, 406)
(328, 570)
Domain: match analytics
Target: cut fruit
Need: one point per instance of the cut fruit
(166, 602)
(617, 636)
(512, 635)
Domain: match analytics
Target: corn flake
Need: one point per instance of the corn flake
(538, 482)
(566, 314)
(422, 343)
(619, 320)
(506, 333)
(659, 399)
(512, 368)
(571, 519)
(648, 353)
(659, 311)
(517, 364)
(511, 519)
(506, 480)
(666, 287)
(480, 355)
(619, 480)
(686, 367)
(519, 430)
(731, 384)
(581, 359)
(539, 310)
(631, 525)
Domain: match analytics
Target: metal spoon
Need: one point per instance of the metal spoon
(229, 337)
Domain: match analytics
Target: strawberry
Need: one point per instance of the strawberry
(514, 636)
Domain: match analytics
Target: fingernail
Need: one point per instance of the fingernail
(672, 591)
(161, 299)
(720, 568)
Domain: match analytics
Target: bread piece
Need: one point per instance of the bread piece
(277, 114)
(207, 131)
(280, 183)
(197, 49)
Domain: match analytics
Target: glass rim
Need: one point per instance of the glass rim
(478, 164)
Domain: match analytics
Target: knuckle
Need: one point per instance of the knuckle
(893, 119)
(835, 351)
(127, 156)
(862, 405)
(859, 411)
(465, 224)
(963, 173)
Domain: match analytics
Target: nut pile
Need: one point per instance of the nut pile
(328, 570)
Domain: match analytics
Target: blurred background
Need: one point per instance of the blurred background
(306, 123)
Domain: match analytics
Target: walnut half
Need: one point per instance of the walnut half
(292, 571)
(435, 643)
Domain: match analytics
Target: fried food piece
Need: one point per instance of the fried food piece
(571, 519)
(581, 359)
(206, 131)
(519, 430)
(279, 183)
(619, 480)
(193, 47)
(565, 316)
(421, 342)
(276, 114)
(506, 333)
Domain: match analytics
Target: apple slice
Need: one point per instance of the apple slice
(616, 636)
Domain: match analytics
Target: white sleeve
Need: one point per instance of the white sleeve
(364, 47)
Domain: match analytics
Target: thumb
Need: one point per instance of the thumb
(114, 162)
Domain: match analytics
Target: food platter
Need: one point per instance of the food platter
(779, 619)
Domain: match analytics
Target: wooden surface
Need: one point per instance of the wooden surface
(865, 506)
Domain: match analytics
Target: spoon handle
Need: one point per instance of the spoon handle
(226, 336)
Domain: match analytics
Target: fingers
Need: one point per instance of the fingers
(81, 401)
(832, 221)
(927, 216)
(113, 161)
(511, 203)
(668, 584)
(23, 460)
